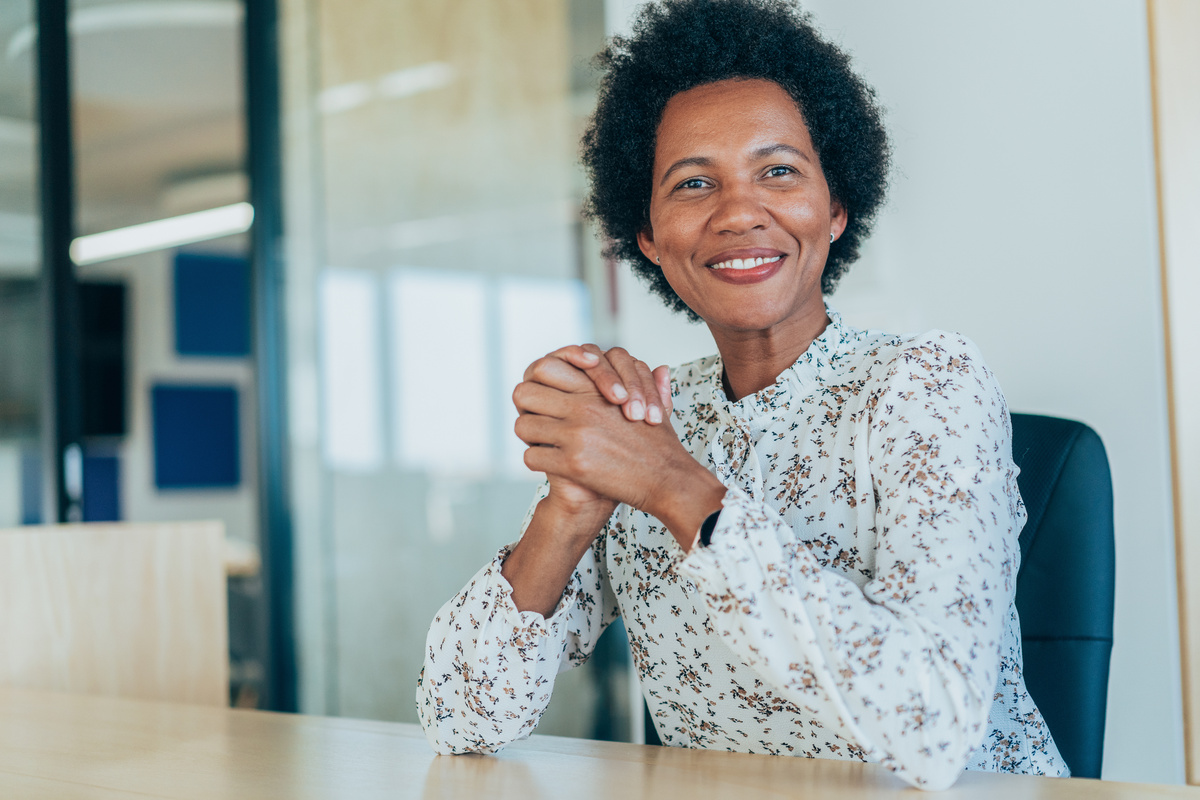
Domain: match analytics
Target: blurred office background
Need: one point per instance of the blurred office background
(389, 232)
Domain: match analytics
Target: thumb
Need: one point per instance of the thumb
(662, 379)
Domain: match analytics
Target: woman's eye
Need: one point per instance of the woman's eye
(691, 183)
(775, 172)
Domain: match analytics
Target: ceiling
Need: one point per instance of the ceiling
(157, 106)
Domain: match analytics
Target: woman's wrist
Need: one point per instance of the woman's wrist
(583, 519)
(684, 499)
(540, 565)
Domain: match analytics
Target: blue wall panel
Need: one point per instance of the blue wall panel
(212, 305)
(196, 437)
(31, 488)
(101, 488)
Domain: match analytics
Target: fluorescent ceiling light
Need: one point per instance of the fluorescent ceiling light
(394, 85)
(162, 234)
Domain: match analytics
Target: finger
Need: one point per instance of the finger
(662, 379)
(543, 459)
(605, 377)
(654, 406)
(552, 371)
(641, 388)
(534, 430)
(579, 356)
(536, 398)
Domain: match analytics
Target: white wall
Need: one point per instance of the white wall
(1022, 214)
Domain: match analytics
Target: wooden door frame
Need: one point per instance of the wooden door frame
(1174, 26)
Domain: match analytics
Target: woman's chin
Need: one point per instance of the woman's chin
(760, 321)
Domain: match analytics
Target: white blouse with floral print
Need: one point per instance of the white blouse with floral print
(856, 601)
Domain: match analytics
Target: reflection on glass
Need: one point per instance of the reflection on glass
(431, 154)
(537, 316)
(351, 386)
(440, 371)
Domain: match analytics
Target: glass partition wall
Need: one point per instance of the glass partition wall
(434, 249)
(145, 332)
(24, 495)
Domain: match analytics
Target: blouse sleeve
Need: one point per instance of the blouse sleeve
(489, 668)
(908, 663)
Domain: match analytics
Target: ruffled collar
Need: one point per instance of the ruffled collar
(817, 364)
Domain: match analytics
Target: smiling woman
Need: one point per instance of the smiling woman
(814, 550)
(741, 220)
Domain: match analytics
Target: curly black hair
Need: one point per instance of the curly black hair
(680, 44)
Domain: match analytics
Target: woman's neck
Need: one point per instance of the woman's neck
(754, 360)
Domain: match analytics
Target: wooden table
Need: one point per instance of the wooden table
(74, 746)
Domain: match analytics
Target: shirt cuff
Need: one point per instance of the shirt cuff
(531, 620)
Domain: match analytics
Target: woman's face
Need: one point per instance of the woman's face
(740, 214)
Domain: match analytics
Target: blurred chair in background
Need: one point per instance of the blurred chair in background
(1067, 579)
(132, 610)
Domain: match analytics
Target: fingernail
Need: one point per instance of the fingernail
(619, 391)
(655, 414)
(590, 357)
(637, 410)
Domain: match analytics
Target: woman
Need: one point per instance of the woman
(815, 552)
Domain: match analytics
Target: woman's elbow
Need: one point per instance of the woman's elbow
(940, 756)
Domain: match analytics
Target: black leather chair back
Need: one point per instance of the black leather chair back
(1065, 585)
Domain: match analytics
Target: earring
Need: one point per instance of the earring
(831, 237)
(657, 260)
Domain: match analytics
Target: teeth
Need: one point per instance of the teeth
(748, 263)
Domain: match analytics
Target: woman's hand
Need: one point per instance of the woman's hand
(567, 521)
(617, 377)
(592, 451)
(642, 393)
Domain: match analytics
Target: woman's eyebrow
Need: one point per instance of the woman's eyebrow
(690, 161)
(762, 152)
(772, 149)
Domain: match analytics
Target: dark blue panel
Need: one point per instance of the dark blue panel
(196, 439)
(212, 305)
(31, 488)
(101, 489)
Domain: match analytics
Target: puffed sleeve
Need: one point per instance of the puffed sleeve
(489, 669)
(908, 664)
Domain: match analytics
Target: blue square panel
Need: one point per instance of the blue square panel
(31, 488)
(212, 305)
(101, 488)
(196, 437)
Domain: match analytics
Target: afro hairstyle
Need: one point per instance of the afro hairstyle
(677, 45)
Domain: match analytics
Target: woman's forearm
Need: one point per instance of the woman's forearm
(540, 565)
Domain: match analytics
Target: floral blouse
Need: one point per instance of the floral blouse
(856, 600)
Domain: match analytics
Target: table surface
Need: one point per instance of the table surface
(74, 746)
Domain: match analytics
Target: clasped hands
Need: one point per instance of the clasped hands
(598, 424)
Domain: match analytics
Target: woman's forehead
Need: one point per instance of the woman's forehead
(730, 115)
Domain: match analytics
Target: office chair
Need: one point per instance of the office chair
(1065, 585)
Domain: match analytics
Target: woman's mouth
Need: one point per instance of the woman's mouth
(743, 271)
(744, 263)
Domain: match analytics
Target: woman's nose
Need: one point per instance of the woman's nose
(739, 210)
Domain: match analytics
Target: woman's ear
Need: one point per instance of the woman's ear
(645, 240)
(839, 218)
